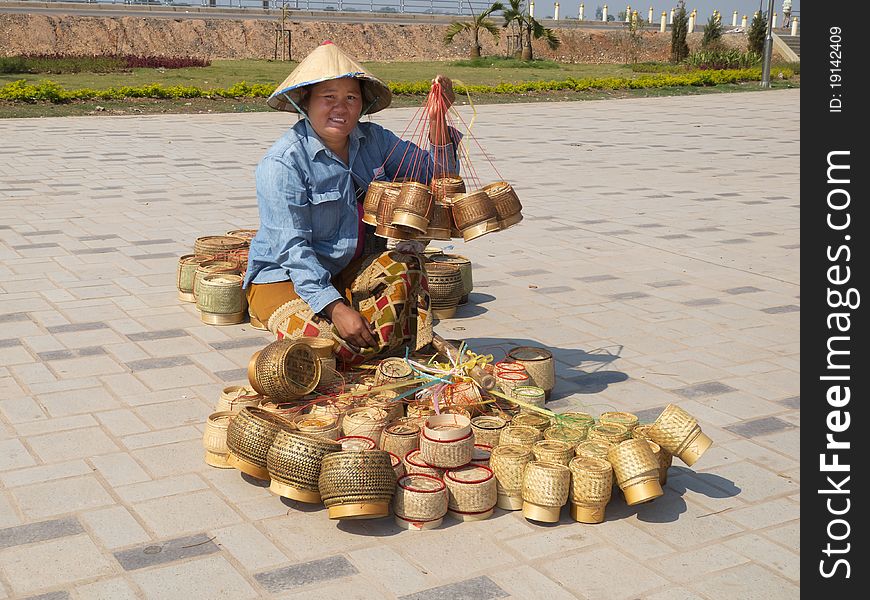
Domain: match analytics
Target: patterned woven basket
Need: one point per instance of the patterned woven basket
(333, 407)
(445, 288)
(244, 234)
(508, 463)
(637, 471)
(324, 426)
(372, 200)
(462, 398)
(520, 435)
(420, 410)
(486, 429)
(234, 398)
(387, 402)
(678, 432)
(357, 484)
(366, 421)
(357, 442)
(440, 223)
(212, 267)
(591, 488)
(609, 432)
(533, 419)
(580, 420)
(218, 245)
(626, 419)
(593, 449)
(401, 437)
(420, 501)
(464, 270)
(414, 207)
(294, 461)
(249, 435)
(507, 204)
(545, 490)
(472, 494)
(391, 371)
(221, 300)
(398, 465)
(384, 217)
(443, 187)
(553, 451)
(284, 370)
(446, 454)
(509, 381)
(187, 265)
(323, 347)
(414, 463)
(665, 458)
(539, 365)
(474, 214)
(214, 439)
(563, 433)
(529, 394)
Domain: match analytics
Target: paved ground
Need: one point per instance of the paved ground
(658, 259)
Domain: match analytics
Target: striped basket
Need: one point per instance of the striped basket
(414, 463)
(507, 204)
(464, 265)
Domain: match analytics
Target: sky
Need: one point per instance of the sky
(705, 7)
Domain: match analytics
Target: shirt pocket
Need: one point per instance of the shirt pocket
(325, 214)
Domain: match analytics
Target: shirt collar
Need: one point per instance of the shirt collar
(315, 144)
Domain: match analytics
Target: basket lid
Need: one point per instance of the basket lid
(469, 474)
(529, 353)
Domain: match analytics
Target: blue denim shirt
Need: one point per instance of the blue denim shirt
(309, 224)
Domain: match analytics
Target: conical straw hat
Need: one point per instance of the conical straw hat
(326, 62)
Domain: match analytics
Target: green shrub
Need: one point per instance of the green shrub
(723, 59)
(57, 64)
(506, 63)
(679, 30)
(712, 32)
(756, 34)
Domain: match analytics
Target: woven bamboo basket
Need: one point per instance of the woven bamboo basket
(294, 461)
(529, 394)
(187, 265)
(545, 490)
(392, 371)
(580, 420)
(520, 435)
(626, 419)
(509, 365)
(665, 458)
(471, 492)
(464, 270)
(214, 439)
(610, 432)
(447, 427)
(285, 370)
(446, 452)
(539, 365)
(288, 410)
(486, 429)
(553, 451)
(420, 410)
(218, 245)
(591, 488)
(637, 471)
(462, 398)
(387, 402)
(244, 234)
(322, 347)
(249, 435)
(420, 502)
(384, 217)
(333, 407)
(401, 437)
(445, 288)
(397, 464)
(324, 426)
(474, 214)
(212, 267)
(657, 452)
(508, 463)
(357, 443)
(509, 381)
(564, 433)
(366, 421)
(440, 223)
(414, 463)
(234, 398)
(444, 187)
(678, 432)
(372, 200)
(593, 449)
(221, 300)
(507, 204)
(414, 207)
(357, 484)
(481, 455)
(533, 419)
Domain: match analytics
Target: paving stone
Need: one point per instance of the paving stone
(747, 582)
(14, 455)
(183, 514)
(119, 469)
(158, 363)
(108, 589)
(316, 571)
(527, 582)
(62, 496)
(787, 308)
(210, 577)
(44, 473)
(746, 289)
(159, 553)
(173, 414)
(74, 402)
(114, 527)
(759, 427)
(249, 546)
(391, 570)
(78, 443)
(581, 573)
(39, 532)
(699, 390)
(479, 588)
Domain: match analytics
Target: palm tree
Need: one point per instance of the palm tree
(474, 26)
(514, 16)
(535, 30)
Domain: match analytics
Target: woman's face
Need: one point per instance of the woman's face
(334, 108)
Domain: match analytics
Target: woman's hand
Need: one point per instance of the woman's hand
(351, 325)
(438, 107)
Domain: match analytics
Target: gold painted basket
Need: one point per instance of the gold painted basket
(637, 471)
(440, 223)
(221, 300)
(665, 458)
(610, 432)
(357, 484)
(464, 265)
(285, 370)
(539, 365)
(384, 217)
(678, 432)
(533, 419)
(234, 398)
(591, 488)
(401, 437)
(372, 200)
(186, 274)
(444, 187)
(420, 501)
(506, 202)
(553, 451)
(486, 429)
(508, 463)
(545, 490)
(214, 439)
(414, 463)
(472, 494)
(249, 435)
(294, 461)
(414, 207)
(520, 435)
(474, 214)
(629, 420)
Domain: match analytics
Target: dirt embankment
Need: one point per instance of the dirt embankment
(256, 38)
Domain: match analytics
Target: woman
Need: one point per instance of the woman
(314, 268)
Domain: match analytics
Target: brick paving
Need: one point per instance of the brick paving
(658, 259)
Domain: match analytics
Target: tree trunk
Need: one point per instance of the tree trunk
(527, 48)
(475, 47)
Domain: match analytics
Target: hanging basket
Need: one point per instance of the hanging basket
(357, 484)
(414, 206)
(420, 502)
(445, 187)
(440, 223)
(591, 487)
(474, 214)
(294, 461)
(507, 204)
(285, 370)
(508, 463)
(372, 200)
(472, 494)
(249, 435)
(678, 432)
(637, 471)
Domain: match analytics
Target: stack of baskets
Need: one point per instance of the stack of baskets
(446, 441)
(212, 276)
